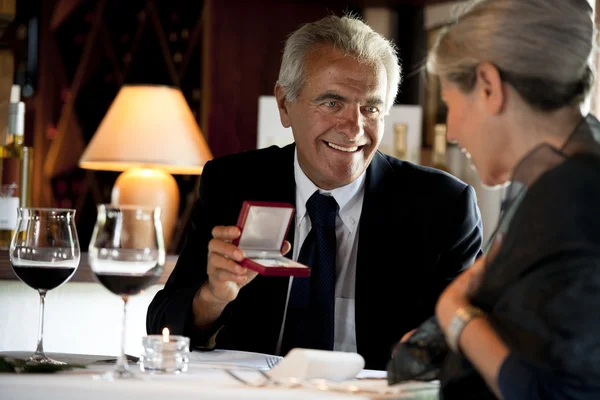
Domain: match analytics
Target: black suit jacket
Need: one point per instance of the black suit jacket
(418, 229)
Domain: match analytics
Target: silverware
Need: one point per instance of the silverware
(272, 361)
(245, 382)
(265, 380)
(328, 386)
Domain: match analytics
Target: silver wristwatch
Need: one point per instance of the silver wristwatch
(461, 318)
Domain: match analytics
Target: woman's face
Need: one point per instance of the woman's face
(469, 124)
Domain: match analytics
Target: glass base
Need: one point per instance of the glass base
(42, 359)
(116, 374)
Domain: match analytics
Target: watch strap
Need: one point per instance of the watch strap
(461, 318)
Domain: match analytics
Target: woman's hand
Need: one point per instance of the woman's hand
(459, 292)
(478, 341)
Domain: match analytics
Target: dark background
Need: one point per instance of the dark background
(72, 56)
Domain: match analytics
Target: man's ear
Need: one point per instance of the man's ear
(490, 86)
(282, 104)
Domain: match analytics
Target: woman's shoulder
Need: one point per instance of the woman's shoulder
(558, 214)
(578, 174)
(543, 287)
(584, 164)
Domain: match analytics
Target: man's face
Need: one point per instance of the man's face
(337, 119)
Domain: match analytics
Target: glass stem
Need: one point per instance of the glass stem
(122, 360)
(40, 344)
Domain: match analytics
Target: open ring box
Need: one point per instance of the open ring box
(264, 226)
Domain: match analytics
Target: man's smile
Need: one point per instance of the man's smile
(346, 149)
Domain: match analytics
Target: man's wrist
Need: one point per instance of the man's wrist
(206, 307)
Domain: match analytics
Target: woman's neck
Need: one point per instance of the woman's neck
(531, 129)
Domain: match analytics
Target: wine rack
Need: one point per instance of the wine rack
(89, 49)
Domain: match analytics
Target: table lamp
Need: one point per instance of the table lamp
(149, 132)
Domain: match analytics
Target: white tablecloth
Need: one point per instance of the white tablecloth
(201, 381)
(81, 317)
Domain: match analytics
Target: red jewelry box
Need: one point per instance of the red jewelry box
(264, 226)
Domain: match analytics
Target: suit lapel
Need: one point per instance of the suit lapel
(276, 184)
(286, 185)
(376, 216)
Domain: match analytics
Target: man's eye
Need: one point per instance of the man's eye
(331, 104)
(372, 110)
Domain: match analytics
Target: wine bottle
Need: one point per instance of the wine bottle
(439, 157)
(400, 140)
(15, 169)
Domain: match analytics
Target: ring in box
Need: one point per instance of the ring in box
(264, 226)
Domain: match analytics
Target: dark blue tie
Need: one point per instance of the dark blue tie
(310, 314)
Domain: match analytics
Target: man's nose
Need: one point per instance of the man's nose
(351, 122)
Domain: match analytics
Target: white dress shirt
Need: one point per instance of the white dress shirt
(349, 199)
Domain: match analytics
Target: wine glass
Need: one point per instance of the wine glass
(44, 254)
(126, 254)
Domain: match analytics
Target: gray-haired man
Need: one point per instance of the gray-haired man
(402, 232)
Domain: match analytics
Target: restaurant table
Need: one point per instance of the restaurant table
(203, 380)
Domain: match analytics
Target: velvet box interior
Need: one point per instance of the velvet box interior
(264, 227)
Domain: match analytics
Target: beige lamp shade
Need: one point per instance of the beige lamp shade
(149, 132)
(148, 126)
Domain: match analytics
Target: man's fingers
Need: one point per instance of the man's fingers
(286, 247)
(226, 232)
(223, 276)
(217, 261)
(251, 274)
(225, 249)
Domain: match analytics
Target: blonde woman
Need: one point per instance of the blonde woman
(524, 321)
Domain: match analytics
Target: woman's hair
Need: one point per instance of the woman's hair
(542, 48)
(347, 34)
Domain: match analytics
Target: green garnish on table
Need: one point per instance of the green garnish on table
(14, 365)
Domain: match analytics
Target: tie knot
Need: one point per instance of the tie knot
(322, 210)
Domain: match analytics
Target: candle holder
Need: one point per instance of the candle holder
(165, 356)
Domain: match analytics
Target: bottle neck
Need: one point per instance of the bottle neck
(439, 149)
(400, 132)
(15, 139)
(16, 119)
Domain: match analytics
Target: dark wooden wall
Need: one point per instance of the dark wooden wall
(411, 40)
(244, 43)
(230, 56)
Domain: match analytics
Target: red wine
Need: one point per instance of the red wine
(43, 278)
(122, 284)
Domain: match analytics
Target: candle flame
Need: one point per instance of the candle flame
(165, 335)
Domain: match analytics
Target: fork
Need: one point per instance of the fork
(272, 361)
(323, 385)
(266, 380)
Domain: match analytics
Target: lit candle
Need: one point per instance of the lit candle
(165, 353)
(169, 348)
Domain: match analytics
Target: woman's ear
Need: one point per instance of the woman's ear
(490, 87)
(283, 107)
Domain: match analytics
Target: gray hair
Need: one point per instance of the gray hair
(542, 48)
(349, 35)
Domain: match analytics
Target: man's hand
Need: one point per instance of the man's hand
(225, 276)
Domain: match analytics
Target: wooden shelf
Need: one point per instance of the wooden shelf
(83, 273)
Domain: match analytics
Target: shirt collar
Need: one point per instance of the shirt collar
(349, 197)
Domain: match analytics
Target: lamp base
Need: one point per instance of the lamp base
(150, 187)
